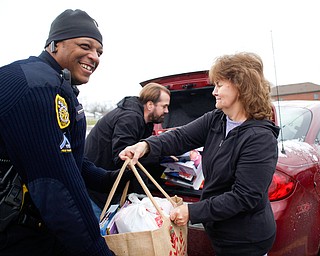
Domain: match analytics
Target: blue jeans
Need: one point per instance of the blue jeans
(96, 209)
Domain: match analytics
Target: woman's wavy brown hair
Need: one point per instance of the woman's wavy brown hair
(245, 71)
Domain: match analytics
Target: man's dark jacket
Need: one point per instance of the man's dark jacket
(121, 127)
(42, 133)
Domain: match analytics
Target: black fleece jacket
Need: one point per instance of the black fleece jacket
(238, 169)
(121, 127)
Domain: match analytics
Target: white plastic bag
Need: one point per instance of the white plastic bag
(164, 204)
(141, 215)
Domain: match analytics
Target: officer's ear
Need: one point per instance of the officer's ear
(53, 47)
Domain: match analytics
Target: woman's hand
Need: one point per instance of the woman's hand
(180, 215)
(135, 151)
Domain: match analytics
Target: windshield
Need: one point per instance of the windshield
(295, 122)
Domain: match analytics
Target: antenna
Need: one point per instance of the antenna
(275, 73)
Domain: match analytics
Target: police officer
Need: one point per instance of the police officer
(42, 134)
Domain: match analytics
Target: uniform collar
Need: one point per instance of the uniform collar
(47, 58)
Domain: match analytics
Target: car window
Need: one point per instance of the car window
(295, 123)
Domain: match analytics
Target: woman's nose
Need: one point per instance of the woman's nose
(215, 91)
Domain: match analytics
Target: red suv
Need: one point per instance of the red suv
(295, 189)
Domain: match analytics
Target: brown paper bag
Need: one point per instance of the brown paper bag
(169, 239)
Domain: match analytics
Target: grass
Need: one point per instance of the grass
(91, 121)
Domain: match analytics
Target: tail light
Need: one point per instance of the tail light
(281, 186)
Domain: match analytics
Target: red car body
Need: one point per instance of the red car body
(295, 189)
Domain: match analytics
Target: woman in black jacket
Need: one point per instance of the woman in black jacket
(239, 158)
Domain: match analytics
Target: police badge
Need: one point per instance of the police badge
(62, 112)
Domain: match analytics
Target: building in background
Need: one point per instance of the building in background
(301, 91)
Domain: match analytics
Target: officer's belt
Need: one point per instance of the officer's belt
(28, 215)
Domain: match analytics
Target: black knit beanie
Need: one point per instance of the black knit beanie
(72, 24)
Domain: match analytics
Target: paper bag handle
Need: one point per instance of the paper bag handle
(144, 187)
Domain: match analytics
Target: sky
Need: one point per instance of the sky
(145, 39)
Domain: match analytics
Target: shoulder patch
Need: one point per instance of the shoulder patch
(62, 112)
(65, 145)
